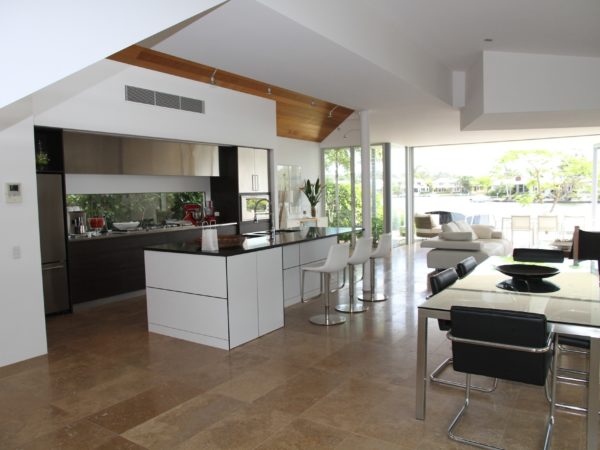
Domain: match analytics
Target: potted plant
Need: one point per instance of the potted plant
(313, 193)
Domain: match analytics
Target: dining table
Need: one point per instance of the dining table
(572, 309)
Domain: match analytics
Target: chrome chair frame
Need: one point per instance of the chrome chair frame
(337, 288)
(550, 344)
(580, 252)
(434, 376)
(383, 250)
(574, 376)
(336, 261)
(361, 253)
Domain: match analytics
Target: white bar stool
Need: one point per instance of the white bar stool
(337, 259)
(383, 250)
(360, 255)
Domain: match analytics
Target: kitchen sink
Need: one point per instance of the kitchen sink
(267, 232)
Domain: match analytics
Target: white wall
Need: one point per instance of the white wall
(473, 107)
(22, 327)
(518, 82)
(43, 42)
(518, 90)
(231, 117)
(296, 152)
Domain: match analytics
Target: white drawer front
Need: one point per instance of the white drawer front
(188, 312)
(291, 256)
(196, 274)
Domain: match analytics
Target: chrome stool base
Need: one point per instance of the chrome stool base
(372, 296)
(327, 319)
(376, 297)
(352, 308)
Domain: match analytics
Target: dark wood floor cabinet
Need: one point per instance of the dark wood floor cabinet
(101, 268)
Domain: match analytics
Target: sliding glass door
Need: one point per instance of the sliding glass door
(340, 186)
(342, 178)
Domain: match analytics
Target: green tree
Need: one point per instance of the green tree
(550, 174)
(466, 184)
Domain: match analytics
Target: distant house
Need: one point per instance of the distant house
(511, 186)
(447, 185)
(420, 187)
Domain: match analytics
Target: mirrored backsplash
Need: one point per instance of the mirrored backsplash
(149, 208)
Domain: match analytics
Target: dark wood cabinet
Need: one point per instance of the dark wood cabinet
(48, 150)
(224, 190)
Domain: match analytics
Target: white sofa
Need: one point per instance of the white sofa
(459, 240)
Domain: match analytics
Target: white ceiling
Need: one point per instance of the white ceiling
(391, 57)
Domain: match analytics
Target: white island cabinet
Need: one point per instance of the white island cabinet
(221, 301)
(233, 295)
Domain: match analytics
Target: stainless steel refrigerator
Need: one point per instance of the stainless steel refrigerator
(52, 241)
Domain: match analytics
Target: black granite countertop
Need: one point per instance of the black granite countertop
(253, 244)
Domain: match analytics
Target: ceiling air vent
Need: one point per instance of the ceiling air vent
(148, 97)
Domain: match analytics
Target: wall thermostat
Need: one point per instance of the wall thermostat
(12, 192)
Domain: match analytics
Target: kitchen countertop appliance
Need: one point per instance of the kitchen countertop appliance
(194, 213)
(77, 220)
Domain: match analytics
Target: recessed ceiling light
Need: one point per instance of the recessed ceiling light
(488, 40)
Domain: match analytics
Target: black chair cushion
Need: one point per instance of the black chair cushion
(439, 282)
(574, 341)
(466, 266)
(442, 280)
(538, 255)
(506, 327)
(589, 245)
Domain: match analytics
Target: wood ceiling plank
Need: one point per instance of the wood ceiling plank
(298, 116)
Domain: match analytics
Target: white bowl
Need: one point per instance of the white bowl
(124, 226)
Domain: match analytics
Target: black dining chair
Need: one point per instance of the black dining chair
(442, 280)
(466, 266)
(511, 345)
(566, 344)
(439, 282)
(586, 247)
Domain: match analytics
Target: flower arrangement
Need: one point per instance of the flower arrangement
(313, 193)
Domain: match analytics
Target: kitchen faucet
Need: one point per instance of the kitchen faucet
(262, 200)
(268, 202)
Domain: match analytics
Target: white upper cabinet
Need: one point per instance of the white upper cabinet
(253, 169)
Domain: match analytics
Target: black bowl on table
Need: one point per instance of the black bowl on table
(528, 278)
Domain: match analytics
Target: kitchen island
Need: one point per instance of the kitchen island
(112, 264)
(230, 296)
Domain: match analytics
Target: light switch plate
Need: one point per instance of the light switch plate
(12, 192)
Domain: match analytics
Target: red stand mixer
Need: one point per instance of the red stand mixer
(193, 213)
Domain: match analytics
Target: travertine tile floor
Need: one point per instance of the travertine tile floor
(109, 384)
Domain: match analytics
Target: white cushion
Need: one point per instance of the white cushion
(463, 226)
(466, 228)
(451, 245)
(449, 227)
(483, 231)
(457, 235)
